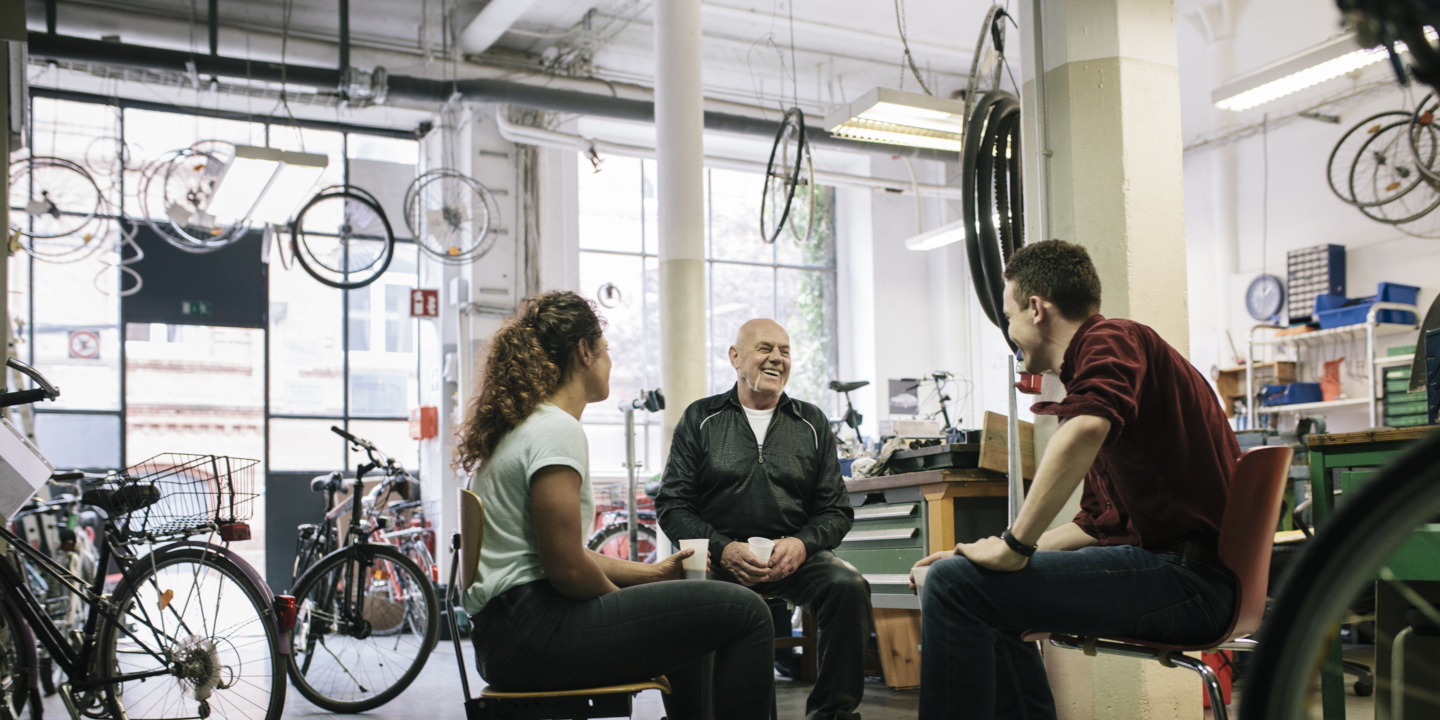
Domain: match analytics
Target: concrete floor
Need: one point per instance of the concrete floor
(436, 695)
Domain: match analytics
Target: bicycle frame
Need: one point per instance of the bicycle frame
(76, 663)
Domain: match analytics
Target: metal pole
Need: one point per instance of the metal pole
(1017, 473)
(630, 487)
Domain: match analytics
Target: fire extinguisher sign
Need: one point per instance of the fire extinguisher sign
(425, 303)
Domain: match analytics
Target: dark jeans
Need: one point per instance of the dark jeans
(837, 595)
(694, 632)
(973, 663)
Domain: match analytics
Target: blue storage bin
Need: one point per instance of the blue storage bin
(1333, 311)
(1397, 293)
(1356, 314)
(1330, 301)
(1292, 394)
(845, 464)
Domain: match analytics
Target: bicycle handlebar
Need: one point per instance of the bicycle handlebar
(46, 391)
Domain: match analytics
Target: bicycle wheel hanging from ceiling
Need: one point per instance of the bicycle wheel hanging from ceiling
(991, 199)
(789, 176)
(175, 193)
(343, 238)
(986, 64)
(1342, 156)
(451, 215)
(55, 209)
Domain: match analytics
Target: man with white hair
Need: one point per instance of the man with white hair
(751, 462)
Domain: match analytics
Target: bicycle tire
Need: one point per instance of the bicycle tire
(1338, 175)
(1347, 554)
(207, 586)
(1386, 164)
(604, 541)
(788, 177)
(17, 660)
(467, 230)
(347, 678)
(313, 262)
(1423, 118)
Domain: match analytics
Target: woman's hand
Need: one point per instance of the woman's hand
(673, 567)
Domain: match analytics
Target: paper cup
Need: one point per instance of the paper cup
(920, 573)
(695, 564)
(761, 548)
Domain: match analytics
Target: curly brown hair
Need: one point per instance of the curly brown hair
(1060, 272)
(530, 357)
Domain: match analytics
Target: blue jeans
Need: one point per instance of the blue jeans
(973, 663)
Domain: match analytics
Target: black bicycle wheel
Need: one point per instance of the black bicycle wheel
(1342, 156)
(991, 172)
(614, 541)
(1347, 554)
(310, 544)
(17, 660)
(343, 238)
(350, 659)
(782, 175)
(196, 617)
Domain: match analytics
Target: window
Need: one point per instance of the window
(746, 279)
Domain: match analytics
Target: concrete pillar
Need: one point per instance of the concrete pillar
(679, 122)
(1108, 154)
(1114, 177)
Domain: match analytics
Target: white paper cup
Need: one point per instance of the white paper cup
(761, 548)
(695, 564)
(920, 573)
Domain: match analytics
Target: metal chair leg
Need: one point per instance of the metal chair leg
(1207, 674)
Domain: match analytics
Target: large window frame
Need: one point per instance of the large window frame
(100, 412)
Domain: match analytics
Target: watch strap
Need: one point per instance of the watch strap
(1016, 545)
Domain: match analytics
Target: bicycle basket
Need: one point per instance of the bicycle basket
(197, 493)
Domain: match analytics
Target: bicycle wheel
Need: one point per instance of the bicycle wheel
(343, 238)
(1355, 546)
(309, 547)
(350, 659)
(782, 175)
(1343, 155)
(17, 658)
(614, 541)
(200, 623)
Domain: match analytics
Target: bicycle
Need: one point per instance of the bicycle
(415, 537)
(367, 617)
(613, 537)
(1345, 556)
(189, 617)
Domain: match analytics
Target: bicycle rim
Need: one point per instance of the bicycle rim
(17, 650)
(349, 662)
(201, 609)
(614, 541)
(1345, 556)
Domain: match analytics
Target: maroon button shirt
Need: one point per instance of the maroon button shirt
(1164, 473)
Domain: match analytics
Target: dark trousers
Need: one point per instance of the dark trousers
(712, 641)
(837, 595)
(973, 663)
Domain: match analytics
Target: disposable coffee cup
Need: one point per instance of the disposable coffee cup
(761, 548)
(920, 573)
(695, 564)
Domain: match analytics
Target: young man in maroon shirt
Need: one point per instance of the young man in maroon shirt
(1142, 429)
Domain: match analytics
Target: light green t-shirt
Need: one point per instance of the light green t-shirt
(509, 555)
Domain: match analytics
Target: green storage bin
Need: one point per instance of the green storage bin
(1399, 350)
(1400, 373)
(1419, 557)
(1407, 420)
(1397, 387)
(1406, 405)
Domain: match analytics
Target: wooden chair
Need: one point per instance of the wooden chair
(1247, 533)
(492, 704)
(809, 663)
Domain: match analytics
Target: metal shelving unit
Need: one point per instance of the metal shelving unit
(1370, 330)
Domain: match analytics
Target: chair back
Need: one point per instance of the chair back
(1247, 532)
(472, 532)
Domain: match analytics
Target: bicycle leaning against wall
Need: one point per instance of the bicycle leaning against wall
(190, 631)
(367, 615)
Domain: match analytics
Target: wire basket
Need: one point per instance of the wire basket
(197, 494)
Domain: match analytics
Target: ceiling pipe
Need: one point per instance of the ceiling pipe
(492, 22)
(438, 92)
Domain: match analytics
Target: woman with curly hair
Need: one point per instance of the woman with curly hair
(550, 614)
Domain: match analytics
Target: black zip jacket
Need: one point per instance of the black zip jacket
(719, 484)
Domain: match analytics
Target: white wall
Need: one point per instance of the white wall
(1227, 208)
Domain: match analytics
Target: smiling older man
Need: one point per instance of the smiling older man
(755, 462)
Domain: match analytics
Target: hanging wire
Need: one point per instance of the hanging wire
(909, 58)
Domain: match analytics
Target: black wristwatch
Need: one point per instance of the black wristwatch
(1015, 544)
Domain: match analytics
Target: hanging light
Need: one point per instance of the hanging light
(896, 117)
(265, 184)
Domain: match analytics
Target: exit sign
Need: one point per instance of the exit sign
(195, 308)
(425, 303)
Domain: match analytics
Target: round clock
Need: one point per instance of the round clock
(1264, 297)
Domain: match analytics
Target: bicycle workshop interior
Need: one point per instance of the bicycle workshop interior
(237, 224)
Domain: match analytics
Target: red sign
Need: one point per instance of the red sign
(424, 303)
(85, 344)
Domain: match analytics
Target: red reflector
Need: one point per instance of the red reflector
(285, 612)
(434, 573)
(234, 532)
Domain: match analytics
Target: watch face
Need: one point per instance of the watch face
(1264, 297)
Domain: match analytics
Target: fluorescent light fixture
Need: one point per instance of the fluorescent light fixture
(939, 237)
(1327, 61)
(896, 117)
(265, 184)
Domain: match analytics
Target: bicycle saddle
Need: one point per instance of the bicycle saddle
(123, 499)
(845, 387)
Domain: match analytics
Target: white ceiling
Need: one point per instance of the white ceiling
(760, 53)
